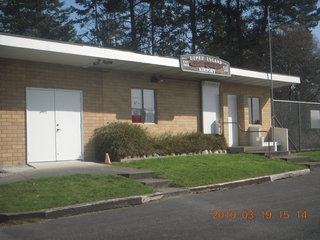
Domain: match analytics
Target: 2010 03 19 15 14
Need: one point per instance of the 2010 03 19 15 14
(263, 214)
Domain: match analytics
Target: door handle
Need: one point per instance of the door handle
(58, 129)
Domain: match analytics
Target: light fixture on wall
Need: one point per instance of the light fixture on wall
(98, 62)
(107, 62)
(155, 79)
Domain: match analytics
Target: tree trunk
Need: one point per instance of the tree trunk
(193, 24)
(134, 41)
(239, 33)
(97, 23)
(152, 26)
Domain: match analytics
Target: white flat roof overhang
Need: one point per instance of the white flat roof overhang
(47, 51)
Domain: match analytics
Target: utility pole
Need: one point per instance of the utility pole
(271, 87)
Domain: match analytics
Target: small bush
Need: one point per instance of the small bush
(120, 140)
(188, 143)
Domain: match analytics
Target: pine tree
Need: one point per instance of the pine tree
(168, 35)
(43, 19)
(102, 22)
(282, 12)
(225, 27)
(297, 53)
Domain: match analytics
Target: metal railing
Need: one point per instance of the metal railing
(251, 131)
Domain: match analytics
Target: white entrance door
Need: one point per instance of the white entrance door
(68, 125)
(232, 119)
(53, 125)
(40, 125)
(210, 107)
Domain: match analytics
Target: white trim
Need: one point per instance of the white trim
(89, 53)
(265, 76)
(217, 84)
(83, 50)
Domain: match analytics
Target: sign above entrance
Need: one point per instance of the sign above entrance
(204, 64)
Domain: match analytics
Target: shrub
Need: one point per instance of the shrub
(167, 144)
(188, 142)
(120, 140)
(215, 142)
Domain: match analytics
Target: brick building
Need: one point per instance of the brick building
(54, 94)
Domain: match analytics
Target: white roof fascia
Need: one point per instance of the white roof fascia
(112, 54)
(83, 50)
(265, 76)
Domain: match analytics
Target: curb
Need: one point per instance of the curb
(91, 207)
(228, 185)
(289, 174)
(249, 181)
(137, 200)
(81, 208)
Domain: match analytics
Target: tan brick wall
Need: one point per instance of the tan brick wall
(16, 76)
(178, 102)
(106, 98)
(243, 92)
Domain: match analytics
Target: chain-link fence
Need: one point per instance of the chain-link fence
(303, 122)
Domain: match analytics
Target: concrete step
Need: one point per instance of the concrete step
(235, 150)
(138, 175)
(248, 149)
(155, 182)
(295, 158)
(278, 154)
(312, 165)
(168, 191)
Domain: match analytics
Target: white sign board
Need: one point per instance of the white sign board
(204, 64)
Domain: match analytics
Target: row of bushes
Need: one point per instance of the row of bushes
(122, 140)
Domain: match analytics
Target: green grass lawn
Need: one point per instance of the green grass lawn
(42, 193)
(314, 156)
(190, 171)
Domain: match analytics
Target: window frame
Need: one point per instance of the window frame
(314, 125)
(251, 111)
(142, 105)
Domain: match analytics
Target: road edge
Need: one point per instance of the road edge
(82, 208)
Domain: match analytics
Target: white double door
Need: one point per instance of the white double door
(54, 125)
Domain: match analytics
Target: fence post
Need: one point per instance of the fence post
(299, 123)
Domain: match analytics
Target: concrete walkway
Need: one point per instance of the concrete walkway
(37, 170)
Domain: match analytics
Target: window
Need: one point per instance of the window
(143, 105)
(254, 110)
(315, 118)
